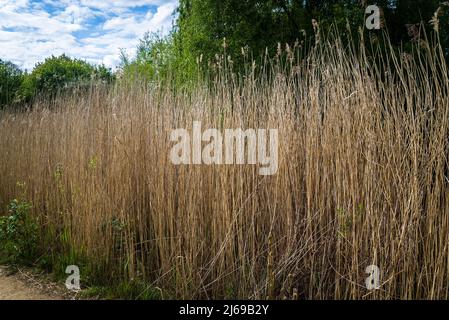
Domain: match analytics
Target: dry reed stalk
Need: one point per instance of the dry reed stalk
(362, 179)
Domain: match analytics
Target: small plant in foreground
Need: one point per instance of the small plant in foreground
(18, 233)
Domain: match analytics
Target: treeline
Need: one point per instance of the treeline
(240, 31)
(246, 30)
(48, 78)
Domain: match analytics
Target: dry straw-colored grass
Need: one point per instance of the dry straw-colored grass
(362, 179)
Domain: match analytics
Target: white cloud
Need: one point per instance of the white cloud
(75, 14)
(94, 30)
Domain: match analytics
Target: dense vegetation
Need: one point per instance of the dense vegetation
(241, 30)
(207, 27)
(362, 180)
(53, 76)
(10, 81)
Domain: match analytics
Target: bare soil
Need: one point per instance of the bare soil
(21, 285)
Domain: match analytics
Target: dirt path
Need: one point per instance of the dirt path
(15, 287)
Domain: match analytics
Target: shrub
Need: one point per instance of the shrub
(56, 74)
(18, 233)
(10, 81)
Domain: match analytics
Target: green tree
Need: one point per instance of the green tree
(10, 81)
(203, 25)
(205, 28)
(61, 73)
(153, 60)
(261, 24)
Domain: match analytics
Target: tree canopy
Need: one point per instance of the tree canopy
(203, 24)
(10, 82)
(49, 77)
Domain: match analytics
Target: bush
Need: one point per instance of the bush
(10, 81)
(61, 73)
(18, 233)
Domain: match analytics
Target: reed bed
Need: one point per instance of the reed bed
(362, 180)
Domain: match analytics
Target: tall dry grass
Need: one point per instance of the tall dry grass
(362, 180)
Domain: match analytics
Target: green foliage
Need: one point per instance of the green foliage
(202, 25)
(154, 60)
(56, 74)
(103, 74)
(18, 233)
(259, 26)
(256, 25)
(10, 80)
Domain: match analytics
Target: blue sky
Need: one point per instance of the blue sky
(93, 30)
